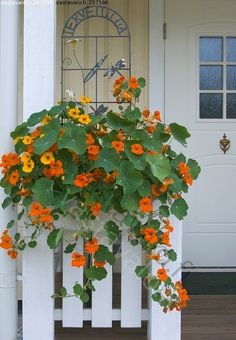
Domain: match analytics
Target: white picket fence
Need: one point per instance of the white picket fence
(38, 286)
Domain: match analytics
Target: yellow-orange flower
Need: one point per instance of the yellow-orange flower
(47, 157)
(28, 166)
(84, 119)
(27, 140)
(25, 157)
(74, 113)
(46, 120)
(85, 100)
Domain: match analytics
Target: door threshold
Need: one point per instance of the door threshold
(208, 269)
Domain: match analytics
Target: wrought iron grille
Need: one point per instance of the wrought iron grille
(74, 45)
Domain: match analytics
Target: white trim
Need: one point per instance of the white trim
(9, 28)
(38, 94)
(156, 55)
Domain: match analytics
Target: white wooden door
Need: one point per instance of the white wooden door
(200, 92)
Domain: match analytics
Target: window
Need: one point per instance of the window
(217, 77)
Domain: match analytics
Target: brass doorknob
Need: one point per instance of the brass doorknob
(224, 143)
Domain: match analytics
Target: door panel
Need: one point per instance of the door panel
(200, 92)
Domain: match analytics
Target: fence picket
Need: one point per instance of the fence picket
(131, 285)
(102, 297)
(38, 286)
(72, 311)
(161, 325)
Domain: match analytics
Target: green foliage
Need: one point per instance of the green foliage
(113, 231)
(73, 138)
(83, 174)
(129, 178)
(54, 238)
(160, 166)
(43, 191)
(179, 208)
(142, 271)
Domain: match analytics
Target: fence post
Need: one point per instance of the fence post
(9, 16)
(163, 326)
(38, 93)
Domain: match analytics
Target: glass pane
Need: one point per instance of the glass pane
(231, 49)
(231, 105)
(231, 77)
(211, 78)
(211, 49)
(211, 105)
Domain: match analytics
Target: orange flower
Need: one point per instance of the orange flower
(165, 184)
(146, 113)
(12, 253)
(14, 177)
(56, 168)
(90, 140)
(152, 153)
(150, 129)
(95, 208)
(183, 168)
(93, 152)
(126, 96)
(119, 81)
(98, 173)
(45, 216)
(99, 264)
(36, 133)
(184, 171)
(6, 240)
(9, 160)
(188, 179)
(110, 177)
(168, 226)
(164, 148)
(137, 149)
(166, 239)
(78, 260)
(155, 190)
(155, 257)
(81, 180)
(150, 235)
(35, 209)
(162, 274)
(91, 246)
(118, 146)
(121, 135)
(145, 205)
(183, 294)
(157, 115)
(24, 192)
(133, 83)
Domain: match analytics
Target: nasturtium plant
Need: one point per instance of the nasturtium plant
(100, 162)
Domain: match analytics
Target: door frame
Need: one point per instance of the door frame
(156, 56)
